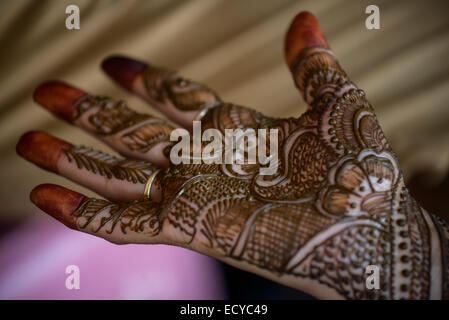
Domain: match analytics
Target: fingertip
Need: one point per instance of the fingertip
(123, 70)
(58, 202)
(304, 32)
(41, 149)
(59, 98)
(24, 141)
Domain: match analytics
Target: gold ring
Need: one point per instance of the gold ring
(203, 112)
(149, 183)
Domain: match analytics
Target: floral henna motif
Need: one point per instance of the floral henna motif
(360, 186)
(138, 132)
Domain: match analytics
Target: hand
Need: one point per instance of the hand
(336, 205)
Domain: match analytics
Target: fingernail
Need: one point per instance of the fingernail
(304, 32)
(41, 149)
(123, 70)
(59, 98)
(58, 202)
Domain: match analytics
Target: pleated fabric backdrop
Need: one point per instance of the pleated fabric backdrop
(236, 47)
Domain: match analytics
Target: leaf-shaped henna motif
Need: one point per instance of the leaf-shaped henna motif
(140, 216)
(109, 166)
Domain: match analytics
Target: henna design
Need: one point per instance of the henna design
(231, 116)
(139, 132)
(200, 193)
(337, 205)
(348, 124)
(443, 229)
(147, 136)
(276, 232)
(420, 248)
(360, 186)
(185, 95)
(109, 166)
(303, 165)
(142, 217)
(108, 117)
(340, 262)
(319, 76)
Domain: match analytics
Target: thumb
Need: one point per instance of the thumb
(315, 70)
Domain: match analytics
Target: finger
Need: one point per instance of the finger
(180, 99)
(135, 222)
(113, 178)
(346, 121)
(315, 70)
(132, 134)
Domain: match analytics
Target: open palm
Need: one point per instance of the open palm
(336, 205)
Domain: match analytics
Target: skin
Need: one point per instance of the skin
(337, 204)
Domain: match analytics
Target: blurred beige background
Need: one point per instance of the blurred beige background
(234, 46)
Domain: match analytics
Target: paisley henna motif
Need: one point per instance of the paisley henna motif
(165, 85)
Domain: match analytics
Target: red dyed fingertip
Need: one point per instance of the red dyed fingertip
(58, 202)
(123, 70)
(41, 149)
(304, 32)
(59, 98)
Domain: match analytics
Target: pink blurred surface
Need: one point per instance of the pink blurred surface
(34, 257)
